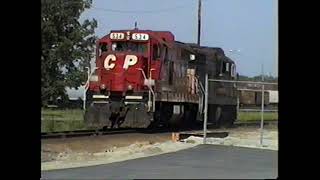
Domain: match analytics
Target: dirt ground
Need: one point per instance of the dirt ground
(86, 151)
(51, 148)
(246, 137)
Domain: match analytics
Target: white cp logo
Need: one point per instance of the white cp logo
(129, 60)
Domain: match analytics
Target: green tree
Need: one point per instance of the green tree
(267, 78)
(67, 46)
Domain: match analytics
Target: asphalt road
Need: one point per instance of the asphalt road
(203, 161)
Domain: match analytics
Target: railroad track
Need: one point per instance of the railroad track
(256, 123)
(79, 133)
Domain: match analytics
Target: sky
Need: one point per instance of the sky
(247, 27)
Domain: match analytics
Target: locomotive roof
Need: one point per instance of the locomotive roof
(185, 46)
(209, 50)
(142, 30)
(228, 59)
(136, 30)
(213, 51)
(153, 34)
(203, 49)
(195, 48)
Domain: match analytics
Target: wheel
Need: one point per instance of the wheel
(188, 119)
(228, 116)
(218, 116)
(90, 116)
(156, 117)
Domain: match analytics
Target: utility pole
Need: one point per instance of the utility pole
(262, 107)
(205, 110)
(135, 25)
(85, 87)
(199, 20)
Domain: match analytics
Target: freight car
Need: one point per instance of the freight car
(273, 97)
(252, 97)
(147, 79)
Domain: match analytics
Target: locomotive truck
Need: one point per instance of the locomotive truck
(145, 79)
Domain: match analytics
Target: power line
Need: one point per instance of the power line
(141, 12)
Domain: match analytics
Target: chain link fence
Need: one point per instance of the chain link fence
(252, 98)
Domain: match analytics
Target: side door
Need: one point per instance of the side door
(155, 62)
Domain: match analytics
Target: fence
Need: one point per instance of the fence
(72, 119)
(262, 110)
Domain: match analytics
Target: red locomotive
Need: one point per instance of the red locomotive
(145, 79)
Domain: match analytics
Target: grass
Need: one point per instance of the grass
(62, 115)
(61, 120)
(254, 116)
(58, 126)
(72, 119)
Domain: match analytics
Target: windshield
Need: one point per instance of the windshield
(129, 46)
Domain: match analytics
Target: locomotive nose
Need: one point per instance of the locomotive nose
(125, 72)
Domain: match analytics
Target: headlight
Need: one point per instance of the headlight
(102, 86)
(94, 78)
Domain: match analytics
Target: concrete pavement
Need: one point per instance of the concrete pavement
(202, 161)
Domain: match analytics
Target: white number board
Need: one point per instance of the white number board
(140, 36)
(116, 35)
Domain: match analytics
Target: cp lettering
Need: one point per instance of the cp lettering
(130, 60)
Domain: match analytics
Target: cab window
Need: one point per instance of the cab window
(166, 57)
(233, 70)
(225, 67)
(156, 52)
(103, 47)
(129, 46)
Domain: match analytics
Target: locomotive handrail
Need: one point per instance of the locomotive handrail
(88, 80)
(202, 94)
(86, 87)
(150, 89)
(154, 97)
(144, 75)
(199, 82)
